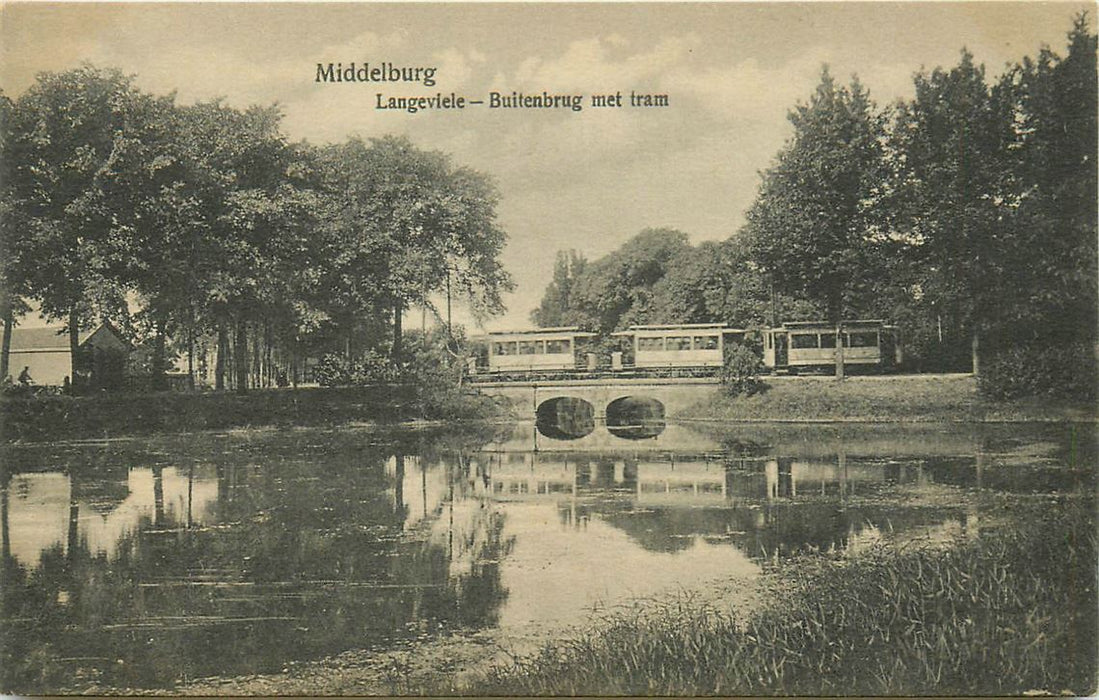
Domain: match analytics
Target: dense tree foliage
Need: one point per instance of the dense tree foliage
(225, 233)
(616, 290)
(405, 224)
(556, 307)
(83, 153)
(814, 222)
(966, 215)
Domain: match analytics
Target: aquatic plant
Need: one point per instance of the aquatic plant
(1010, 613)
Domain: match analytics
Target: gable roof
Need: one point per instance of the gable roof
(39, 339)
(53, 338)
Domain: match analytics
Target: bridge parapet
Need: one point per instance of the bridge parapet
(675, 395)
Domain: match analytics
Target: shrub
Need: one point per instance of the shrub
(1067, 371)
(740, 375)
(372, 368)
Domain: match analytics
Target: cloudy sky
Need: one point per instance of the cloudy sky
(586, 180)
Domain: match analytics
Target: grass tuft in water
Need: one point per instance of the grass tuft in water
(1011, 613)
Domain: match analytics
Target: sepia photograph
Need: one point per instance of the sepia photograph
(549, 349)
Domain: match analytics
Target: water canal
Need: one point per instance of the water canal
(145, 564)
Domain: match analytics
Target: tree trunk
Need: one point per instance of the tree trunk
(219, 363)
(774, 300)
(240, 356)
(268, 359)
(191, 350)
(976, 349)
(294, 363)
(839, 352)
(5, 523)
(160, 382)
(256, 358)
(398, 311)
(158, 496)
(5, 352)
(74, 351)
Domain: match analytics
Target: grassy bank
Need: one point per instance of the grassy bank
(114, 415)
(881, 398)
(1009, 613)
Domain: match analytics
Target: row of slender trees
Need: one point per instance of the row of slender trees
(966, 214)
(203, 224)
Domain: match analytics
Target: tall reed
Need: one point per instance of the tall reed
(1012, 612)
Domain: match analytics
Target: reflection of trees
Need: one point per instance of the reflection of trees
(770, 507)
(306, 555)
(762, 533)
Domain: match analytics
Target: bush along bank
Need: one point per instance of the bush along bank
(888, 398)
(1013, 612)
(47, 418)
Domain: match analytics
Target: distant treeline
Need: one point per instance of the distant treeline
(228, 236)
(966, 215)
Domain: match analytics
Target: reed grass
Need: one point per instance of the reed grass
(1013, 612)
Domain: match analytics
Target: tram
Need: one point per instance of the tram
(679, 346)
(811, 345)
(656, 350)
(543, 349)
(687, 350)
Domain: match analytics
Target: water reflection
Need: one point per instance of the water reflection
(140, 567)
(635, 418)
(237, 565)
(565, 418)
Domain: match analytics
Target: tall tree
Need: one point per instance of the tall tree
(13, 274)
(952, 137)
(1048, 208)
(227, 243)
(79, 147)
(813, 223)
(720, 283)
(616, 290)
(556, 306)
(409, 224)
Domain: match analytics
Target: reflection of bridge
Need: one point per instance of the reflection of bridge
(687, 480)
(526, 437)
(674, 394)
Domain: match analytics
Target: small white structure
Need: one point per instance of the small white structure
(45, 355)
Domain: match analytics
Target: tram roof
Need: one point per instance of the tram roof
(557, 331)
(681, 327)
(864, 322)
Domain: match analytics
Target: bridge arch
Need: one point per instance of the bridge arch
(565, 418)
(635, 417)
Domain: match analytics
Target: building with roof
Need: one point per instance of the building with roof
(102, 357)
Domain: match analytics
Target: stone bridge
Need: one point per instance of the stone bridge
(674, 395)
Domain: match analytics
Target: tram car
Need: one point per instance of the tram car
(811, 346)
(540, 350)
(680, 346)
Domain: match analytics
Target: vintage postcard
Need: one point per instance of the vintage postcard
(549, 349)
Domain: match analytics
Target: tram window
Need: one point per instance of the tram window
(828, 340)
(650, 344)
(801, 341)
(530, 347)
(506, 348)
(678, 343)
(864, 340)
(705, 342)
(558, 347)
